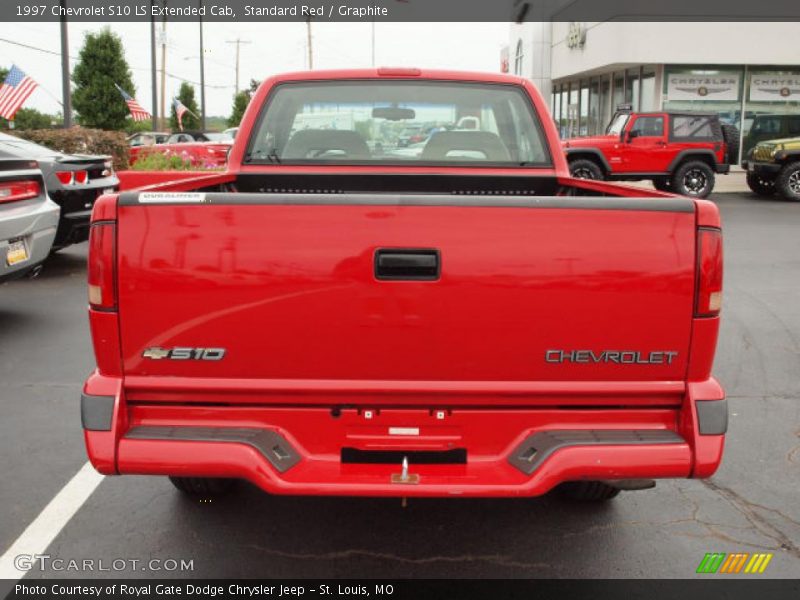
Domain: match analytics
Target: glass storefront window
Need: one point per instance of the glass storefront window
(594, 104)
(705, 90)
(572, 110)
(604, 108)
(557, 108)
(632, 88)
(648, 99)
(618, 95)
(583, 123)
(772, 108)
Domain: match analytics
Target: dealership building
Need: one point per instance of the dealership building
(738, 70)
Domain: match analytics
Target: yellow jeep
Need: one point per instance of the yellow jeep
(774, 166)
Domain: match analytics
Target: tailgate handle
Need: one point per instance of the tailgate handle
(399, 264)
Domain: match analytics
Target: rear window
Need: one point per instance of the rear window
(398, 122)
(695, 128)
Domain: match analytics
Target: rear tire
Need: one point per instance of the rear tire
(662, 184)
(203, 486)
(788, 182)
(759, 185)
(730, 134)
(583, 168)
(587, 491)
(693, 178)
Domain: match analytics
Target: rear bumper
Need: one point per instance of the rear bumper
(76, 210)
(722, 168)
(34, 224)
(506, 451)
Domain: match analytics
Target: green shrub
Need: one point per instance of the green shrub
(81, 140)
(154, 160)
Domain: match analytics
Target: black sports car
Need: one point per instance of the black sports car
(73, 181)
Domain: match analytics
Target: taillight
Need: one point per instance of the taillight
(709, 273)
(12, 191)
(102, 292)
(65, 177)
(81, 177)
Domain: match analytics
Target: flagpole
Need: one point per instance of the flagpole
(202, 76)
(153, 67)
(65, 91)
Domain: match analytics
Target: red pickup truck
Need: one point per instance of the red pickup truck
(337, 315)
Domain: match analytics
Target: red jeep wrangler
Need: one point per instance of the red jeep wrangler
(679, 151)
(341, 314)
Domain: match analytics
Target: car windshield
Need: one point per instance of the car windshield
(11, 146)
(617, 124)
(218, 137)
(398, 122)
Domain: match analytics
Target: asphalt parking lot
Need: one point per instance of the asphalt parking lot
(750, 505)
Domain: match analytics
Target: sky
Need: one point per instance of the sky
(272, 48)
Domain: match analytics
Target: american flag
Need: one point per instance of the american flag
(180, 110)
(15, 90)
(137, 112)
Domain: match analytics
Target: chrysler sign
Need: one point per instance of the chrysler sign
(774, 88)
(689, 86)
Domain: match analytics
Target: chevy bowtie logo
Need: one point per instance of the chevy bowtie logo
(735, 563)
(184, 353)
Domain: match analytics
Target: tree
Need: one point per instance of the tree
(186, 96)
(30, 118)
(132, 126)
(240, 102)
(101, 64)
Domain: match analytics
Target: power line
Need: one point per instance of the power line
(75, 59)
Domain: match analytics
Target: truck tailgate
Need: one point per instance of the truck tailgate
(294, 289)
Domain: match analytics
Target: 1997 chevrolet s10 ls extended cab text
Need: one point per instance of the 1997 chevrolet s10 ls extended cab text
(336, 314)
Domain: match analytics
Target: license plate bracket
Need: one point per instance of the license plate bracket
(16, 252)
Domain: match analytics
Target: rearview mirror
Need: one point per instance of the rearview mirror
(633, 133)
(393, 113)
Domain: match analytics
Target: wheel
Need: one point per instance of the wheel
(760, 185)
(587, 491)
(662, 184)
(730, 134)
(788, 182)
(583, 168)
(693, 178)
(203, 486)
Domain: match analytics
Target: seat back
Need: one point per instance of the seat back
(310, 143)
(487, 143)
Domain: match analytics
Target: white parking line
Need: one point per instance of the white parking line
(44, 528)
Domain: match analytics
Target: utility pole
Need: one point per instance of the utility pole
(238, 42)
(308, 43)
(66, 94)
(203, 75)
(163, 110)
(153, 66)
(373, 42)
